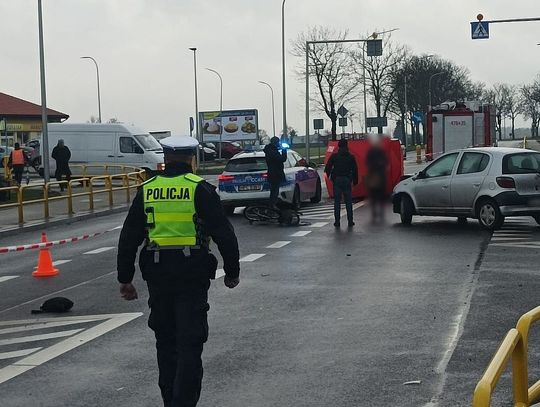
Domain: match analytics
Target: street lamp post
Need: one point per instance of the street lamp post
(98, 87)
(273, 107)
(198, 136)
(44, 119)
(283, 69)
(220, 108)
(430, 80)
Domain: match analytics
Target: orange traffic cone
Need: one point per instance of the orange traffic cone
(45, 266)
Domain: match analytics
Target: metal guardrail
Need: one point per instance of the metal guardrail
(92, 185)
(514, 347)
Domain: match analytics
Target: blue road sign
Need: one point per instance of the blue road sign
(418, 117)
(480, 30)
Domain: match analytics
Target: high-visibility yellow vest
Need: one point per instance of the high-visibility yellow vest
(169, 205)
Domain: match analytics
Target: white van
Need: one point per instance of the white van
(112, 144)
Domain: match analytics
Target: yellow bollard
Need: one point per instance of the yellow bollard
(418, 154)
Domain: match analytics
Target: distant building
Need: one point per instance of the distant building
(23, 120)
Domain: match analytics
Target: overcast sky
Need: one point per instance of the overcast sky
(147, 70)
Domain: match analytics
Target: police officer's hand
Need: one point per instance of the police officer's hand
(231, 282)
(128, 292)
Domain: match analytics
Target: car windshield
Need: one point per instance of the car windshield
(148, 142)
(247, 164)
(521, 163)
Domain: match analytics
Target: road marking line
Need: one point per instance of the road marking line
(60, 262)
(100, 250)
(278, 245)
(111, 322)
(499, 239)
(41, 325)
(220, 273)
(518, 245)
(18, 353)
(116, 228)
(42, 337)
(55, 293)
(7, 278)
(302, 233)
(319, 225)
(252, 257)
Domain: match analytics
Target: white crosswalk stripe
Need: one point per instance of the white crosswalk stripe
(51, 337)
(517, 233)
(7, 278)
(325, 212)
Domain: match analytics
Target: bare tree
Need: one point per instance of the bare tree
(512, 105)
(380, 72)
(330, 69)
(530, 105)
(497, 96)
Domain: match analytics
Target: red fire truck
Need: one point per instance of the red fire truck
(452, 126)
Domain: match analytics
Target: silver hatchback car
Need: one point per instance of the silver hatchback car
(486, 183)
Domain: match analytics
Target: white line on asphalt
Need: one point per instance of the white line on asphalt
(512, 234)
(116, 228)
(87, 200)
(55, 293)
(252, 257)
(302, 233)
(34, 338)
(278, 245)
(319, 224)
(7, 278)
(505, 239)
(100, 250)
(531, 245)
(18, 353)
(23, 365)
(220, 273)
(41, 325)
(60, 262)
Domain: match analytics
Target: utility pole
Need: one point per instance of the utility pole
(44, 118)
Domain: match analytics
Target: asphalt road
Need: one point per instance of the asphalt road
(321, 318)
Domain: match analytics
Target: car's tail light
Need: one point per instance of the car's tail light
(225, 178)
(264, 175)
(161, 167)
(506, 182)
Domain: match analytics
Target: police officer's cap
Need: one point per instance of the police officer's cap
(184, 145)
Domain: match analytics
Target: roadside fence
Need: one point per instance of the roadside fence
(112, 178)
(514, 347)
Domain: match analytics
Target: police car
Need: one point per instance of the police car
(244, 181)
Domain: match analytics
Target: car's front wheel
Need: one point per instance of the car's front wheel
(406, 210)
(489, 215)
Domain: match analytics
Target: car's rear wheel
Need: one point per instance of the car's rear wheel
(489, 215)
(318, 193)
(406, 210)
(296, 202)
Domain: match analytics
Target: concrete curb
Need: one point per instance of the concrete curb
(40, 225)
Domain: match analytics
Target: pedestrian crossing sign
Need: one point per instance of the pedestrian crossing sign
(480, 30)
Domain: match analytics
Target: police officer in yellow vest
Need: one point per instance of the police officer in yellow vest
(176, 214)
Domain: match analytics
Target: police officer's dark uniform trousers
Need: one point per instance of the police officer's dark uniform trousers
(178, 278)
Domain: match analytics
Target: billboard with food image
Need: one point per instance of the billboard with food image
(237, 125)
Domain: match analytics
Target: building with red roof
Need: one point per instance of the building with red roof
(20, 120)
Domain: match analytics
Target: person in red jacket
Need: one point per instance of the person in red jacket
(17, 162)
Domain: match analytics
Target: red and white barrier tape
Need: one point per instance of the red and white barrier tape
(20, 248)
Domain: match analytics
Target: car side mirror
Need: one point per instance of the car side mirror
(421, 175)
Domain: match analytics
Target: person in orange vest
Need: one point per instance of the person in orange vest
(17, 162)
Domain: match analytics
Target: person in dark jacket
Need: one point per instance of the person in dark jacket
(61, 155)
(341, 168)
(376, 163)
(166, 211)
(275, 161)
